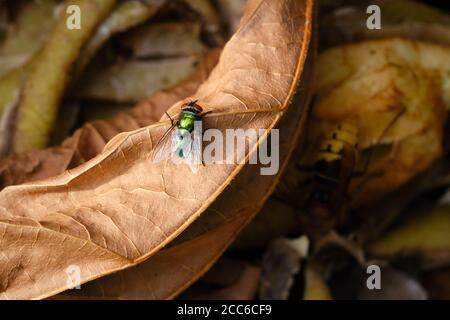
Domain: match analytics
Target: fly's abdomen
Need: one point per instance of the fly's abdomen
(346, 133)
(329, 160)
(181, 142)
(335, 151)
(333, 170)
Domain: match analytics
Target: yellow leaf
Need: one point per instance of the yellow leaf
(425, 235)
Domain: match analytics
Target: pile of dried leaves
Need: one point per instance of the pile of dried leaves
(82, 111)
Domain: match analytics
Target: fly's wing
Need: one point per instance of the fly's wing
(181, 145)
(367, 175)
(194, 157)
(163, 149)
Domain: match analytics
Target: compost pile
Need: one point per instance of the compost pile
(89, 90)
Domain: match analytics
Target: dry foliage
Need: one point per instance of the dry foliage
(117, 209)
(82, 112)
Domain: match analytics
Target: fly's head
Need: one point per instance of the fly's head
(191, 106)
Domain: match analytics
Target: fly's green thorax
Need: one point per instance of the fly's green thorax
(187, 119)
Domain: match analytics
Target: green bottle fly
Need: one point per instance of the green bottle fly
(182, 142)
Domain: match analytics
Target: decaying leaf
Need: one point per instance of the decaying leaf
(377, 217)
(126, 15)
(79, 210)
(402, 11)
(22, 38)
(424, 236)
(401, 18)
(44, 86)
(10, 86)
(19, 49)
(315, 286)
(164, 275)
(68, 116)
(281, 263)
(93, 110)
(165, 40)
(170, 50)
(131, 81)
(208, 15)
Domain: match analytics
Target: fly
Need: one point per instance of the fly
(333, 171)
(182, 142)
(328, 203)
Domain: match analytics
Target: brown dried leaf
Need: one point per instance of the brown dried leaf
(231, 205)
(166, 273)
(118, 209)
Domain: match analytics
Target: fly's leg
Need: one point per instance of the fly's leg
(203, 132)
(168, 115)
(204, 114)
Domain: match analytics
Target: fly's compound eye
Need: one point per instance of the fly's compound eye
(198, 108)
